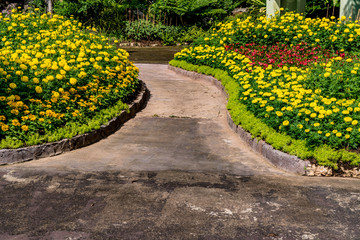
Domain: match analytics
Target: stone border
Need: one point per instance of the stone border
(278, 158)
(10, 156)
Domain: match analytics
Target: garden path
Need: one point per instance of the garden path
(175, 171)
(183, 127)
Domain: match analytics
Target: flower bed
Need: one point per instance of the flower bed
(55, 77)
(311, 98)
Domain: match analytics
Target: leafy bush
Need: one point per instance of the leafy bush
(192, 33)
(146, 30)
(106, 15)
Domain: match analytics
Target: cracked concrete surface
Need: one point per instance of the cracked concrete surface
(175, 171)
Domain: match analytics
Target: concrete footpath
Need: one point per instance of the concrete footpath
(175, 171)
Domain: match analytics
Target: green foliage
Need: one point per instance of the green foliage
(191, 33)
(106, 15)
(41, 4)
(169, 21)
(322, 8)
(194, 12)
(327, 156)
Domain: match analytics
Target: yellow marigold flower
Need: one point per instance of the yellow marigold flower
(23, 66)
(327, 74)
(25, 79)
(347, 119)
(307, 130)
(328, 112)
(38, 89)
(73, 81)
(269, 108)
(327, 134)
(334, 131)
(316, 124)
(25, 128)
(15, 122)
(349, 129)
(50, 78)
(4, 127)
(347, 136)
(279, 114)
(32, 117)
(56, 94)
(59, 76)
(286, 122)
(354, 122)
(82, 74)
(67, 68)
(15, 111)
(338, 134)
(12, 85)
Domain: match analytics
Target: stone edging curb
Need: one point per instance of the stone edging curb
(10, 156)
(278, 158)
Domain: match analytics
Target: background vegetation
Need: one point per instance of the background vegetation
(168, 21)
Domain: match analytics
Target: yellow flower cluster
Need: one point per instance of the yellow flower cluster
(291, 28)
(287, 98)
(53, 72)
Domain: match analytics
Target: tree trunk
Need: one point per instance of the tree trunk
(327, 10)
(49, 6)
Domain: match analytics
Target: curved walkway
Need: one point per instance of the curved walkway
(175, 171)
(183, 127)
